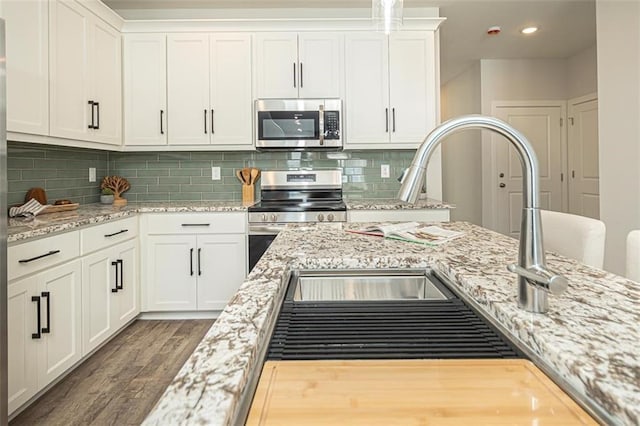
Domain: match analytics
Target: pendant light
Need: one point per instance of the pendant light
(387, 14)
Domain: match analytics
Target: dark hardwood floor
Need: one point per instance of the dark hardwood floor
(121, 382)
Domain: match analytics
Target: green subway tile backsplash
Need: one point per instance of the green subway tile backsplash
(179, 176)
(62, 172)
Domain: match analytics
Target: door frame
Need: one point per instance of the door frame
(490, 161)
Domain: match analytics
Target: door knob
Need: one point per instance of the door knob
(502, 185)
(501, 175)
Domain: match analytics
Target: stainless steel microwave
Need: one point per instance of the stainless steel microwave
(298, 124)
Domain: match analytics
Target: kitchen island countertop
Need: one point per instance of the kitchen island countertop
(588, 338)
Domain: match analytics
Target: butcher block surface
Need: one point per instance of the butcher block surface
(410, 392)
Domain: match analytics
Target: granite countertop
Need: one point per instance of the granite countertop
(91, 214)
(20, 229)
(393, 204)
(589, 337)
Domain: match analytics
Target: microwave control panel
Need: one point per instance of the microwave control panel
(332, 125)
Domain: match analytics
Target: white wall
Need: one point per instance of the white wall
(618, 35)
(513, 80)
(582, 75)
(462, 153)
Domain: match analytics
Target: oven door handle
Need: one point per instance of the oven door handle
(265, 229)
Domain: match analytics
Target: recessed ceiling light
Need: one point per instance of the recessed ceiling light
(529, 30)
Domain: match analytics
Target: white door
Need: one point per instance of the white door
(412, 88)
(105, 56)
(171, 274)
(145, 89)
(542, 127)
(27, 36)
(221, 268)
(22, 346)
(231, 100)
(320, 65)
(61, 346)
(367, 89)
(188, 89)
(127, 297)
(68, 70)
(98, 284)
(584, 175)
(276, 71)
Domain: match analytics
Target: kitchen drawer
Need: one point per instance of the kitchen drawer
(33, 256)
(108, 234)
(197, 223)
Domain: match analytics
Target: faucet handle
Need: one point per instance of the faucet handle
(543, 278)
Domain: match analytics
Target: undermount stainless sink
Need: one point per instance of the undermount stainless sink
(362, 284)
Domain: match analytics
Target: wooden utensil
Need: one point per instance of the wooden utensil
(246, 175)
(254, 175)
(239, 175)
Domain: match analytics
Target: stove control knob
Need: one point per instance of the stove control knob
(320, 217)
(330, 217)
(274, 217)
(264, 217)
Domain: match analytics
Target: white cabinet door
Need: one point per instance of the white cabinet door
(98, 283)
(145, 89)
(105, 74)
(171, 275)
(320, 65)
(221, 268)
(412, 86)
(68, 70)
(276, 56)
(127, 297)
(27, 36)
(367, 89)
(22, 346)
(188, 88)
(61, 345)
(231, 100)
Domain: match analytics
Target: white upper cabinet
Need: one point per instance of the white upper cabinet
(69, 103)
(305, 65)
(391, 89)
(145, 89)
(230, 84)
(85, 75)
(367, 89)
(188, 88)
(27, 49)
(105, 82)
(412, 87)
(209, 90)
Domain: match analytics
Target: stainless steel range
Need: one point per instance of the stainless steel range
(293, 197)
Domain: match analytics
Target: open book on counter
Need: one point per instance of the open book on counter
(410, 231)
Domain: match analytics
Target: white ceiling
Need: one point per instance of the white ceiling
(566, 26)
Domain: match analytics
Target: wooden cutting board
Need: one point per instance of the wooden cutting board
(410, 392)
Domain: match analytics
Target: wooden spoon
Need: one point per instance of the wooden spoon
(246, 175)
(254, 175)
(239, 175)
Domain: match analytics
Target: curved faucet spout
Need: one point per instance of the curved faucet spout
(534, 276)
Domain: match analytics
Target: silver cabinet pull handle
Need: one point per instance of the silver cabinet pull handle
(195, 224)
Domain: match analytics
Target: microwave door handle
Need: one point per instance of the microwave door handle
(321, 124)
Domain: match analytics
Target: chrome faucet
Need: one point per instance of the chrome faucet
(535, 280)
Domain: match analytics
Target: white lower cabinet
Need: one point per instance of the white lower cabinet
(194, 262)
(44, 329)
(109, 293)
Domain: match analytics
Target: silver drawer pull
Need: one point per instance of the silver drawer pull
(116, 233)
(195, 224)
(52, 252)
